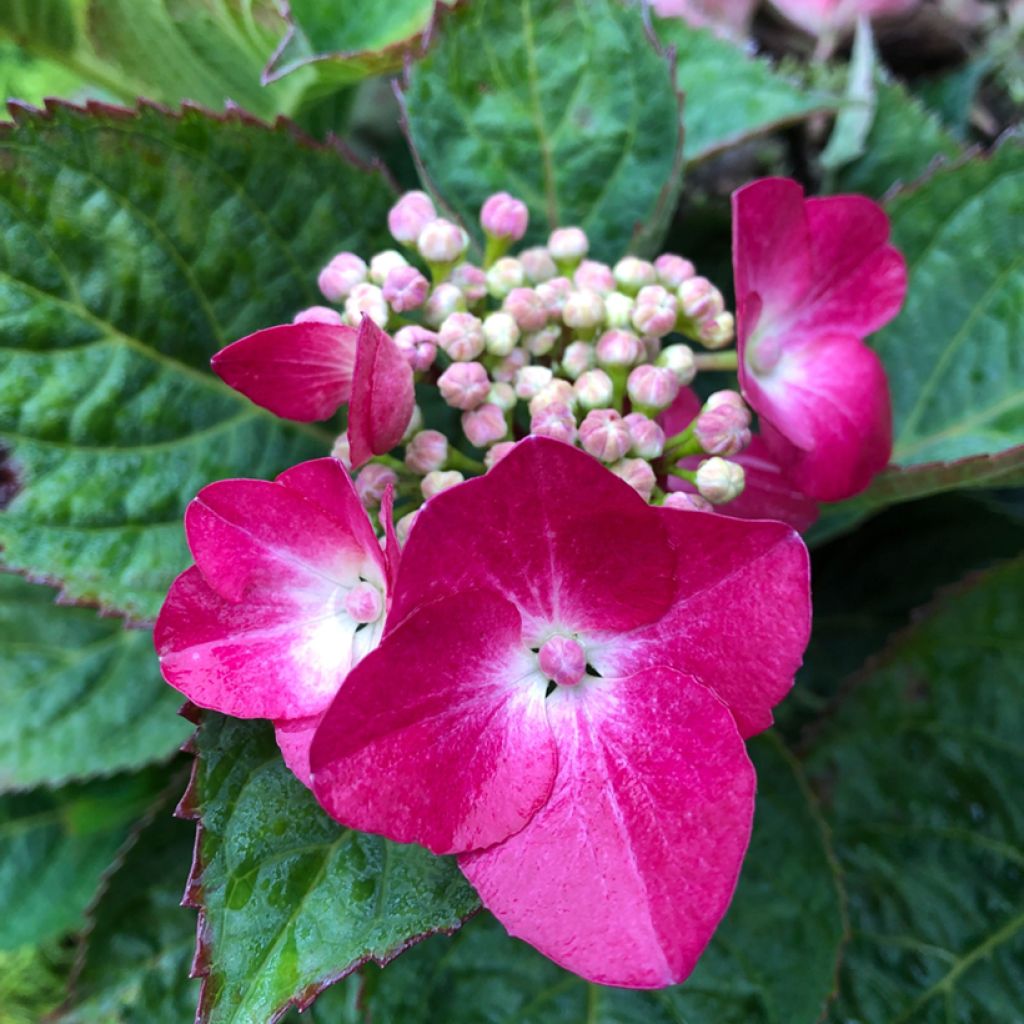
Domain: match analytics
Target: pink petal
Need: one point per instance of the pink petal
(439, 736)
(741, 618)
(392, 549)
(561, 537)
(294, 737)
(623, 875)
(298, 371)
(382, 395)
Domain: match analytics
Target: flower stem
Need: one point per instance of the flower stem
(462, 462)
(716, 360)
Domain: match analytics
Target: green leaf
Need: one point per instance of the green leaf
(50, 23)
(920, 772)
(81, 695)
(55, 846)
(730, 96)
(772, 960)
(289, 900)
(564, 103)
(132, 247)
(29, 79)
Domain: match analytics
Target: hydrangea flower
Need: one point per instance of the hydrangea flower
(813, 278)
(561, 697)
(288, 591)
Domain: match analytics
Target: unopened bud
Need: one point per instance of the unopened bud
(441, 241)
(568, 245)
(501, 333)
(652, 387)
(504, 275)
(638, 474)
(464, 385)
(426, 451)
(471, 281)
(484, 425)
(673, 270)
(719, 480)
(699, 299)
(556, 421)
(632, 274)
(618, 310)
(497, 452)
(540, 343)
(618, 348)
(583, 310)
(562, 660)
(341, 275)
(502, 395)
(409, 216)
(647, 436)
(687, 502)
(444, 300)
(655, 311)
(537, 264)
(364, 602)
(717, 331)
(372, 481)
(404, 525)
(723, 430)
(319, 315)
(418, 345)
(679, 359)
(527, 307)
(593, 276)
(503, 216)
(383, 263)
(553, 294)
(405, 288)
(727, 397)
(604, 435)
(462, 337)
(577, 358)
(341, 450)
(532, 380)
(594, 389)
(367, 300)
(508, 368)
(440, 480)
(557, 392)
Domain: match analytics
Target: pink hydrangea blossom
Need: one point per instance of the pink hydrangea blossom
(730, 18)
(813, 277)
(602, 815)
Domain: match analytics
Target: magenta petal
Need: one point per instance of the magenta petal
(741, 618)
(298, 371)
(294, 737)
(439, 736)
(623, 875)
(392, 549)
(382, 395)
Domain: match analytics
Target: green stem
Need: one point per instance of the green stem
(684, 474)
(462, 462)
(716, 360)
(495, 249)
(392, 463)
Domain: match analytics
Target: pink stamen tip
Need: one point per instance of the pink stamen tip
(562, 660)
(364, 603)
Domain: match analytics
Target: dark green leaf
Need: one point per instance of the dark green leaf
(772, 960)
(565, 104)
(920, 773)
(49, 23)
(132, 247)
(289, 899)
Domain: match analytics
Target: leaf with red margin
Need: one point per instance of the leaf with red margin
(289, 901)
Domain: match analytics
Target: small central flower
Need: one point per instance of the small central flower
(562, 660)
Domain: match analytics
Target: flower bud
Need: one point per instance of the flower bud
(497, 452)
(504, 216)
(532, 380)
(647, 436)
(444, 300)
(723, 430)
(504, 275)
(372, 481)
(414, 425)
(464, 385)
(501, 333)
(593, 276)
(409, 216)
(508, 369)
(618, 310)
(568, 245)
(556, 421)
(368, 300)
(594, 389)
(604, 435)
(717, 331)
(441, 241)
(527, 307)
(583, 310)
(652, 349)
(673, 270)
(440, 480)
(383, 263)
(679, 359)
(319, 315)
(618, 348)
(652, 387)
(341, 451)
(502, 395)
(537, 264)
(471, 281)
(540, 343)
(426, 451)
(562, 660)
(340, 276)
(418, 345)
(558, 391)
(719, 480)
(405, 288)
(484, 425)
(364, 602)
(404, 525)
(553, 294)
(638, 474)
(577, 358)
(632, 274)
(655, 311)
(462, 337)
(727, 397)
(687, 502)
(699, 299)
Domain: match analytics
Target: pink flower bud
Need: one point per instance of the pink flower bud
(618, 348)
(562, 660)
(528, 308)
(577, 358)
(497, 452)
(604, 435)
(699, 299)
(723, 430)
(568, 245)
(532, 380)
(364, 602)
(371, 483)
(673, 270)
(484, 425)
(558, 392)
(418, 345)
(368, 300)
(655, 311)
(504, 216)
(727, 397)
(340, 450)
(638, 474)
(540, 343)
(444, 300)
(618, 310)
(537, 264)
(556, 421)
(404, 525)
(409, 216)
(341, 275)
(553, 294)
(505, 275)
(383, 263)
(583, 310)
(687, 502)
(593, 276)
(462, 337)
(405, 288)
(438, 481)
(652, 349)
(632, 274)
(471, 281)
(594, 389)
(679, 359)
(441, 241)
(502, 395)
(426, 451)
(647, 436)
(501, 333)
(508, 369)
(719, 480)
(717, 331)
(319, 315)
(464, 385)
(652, 387)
